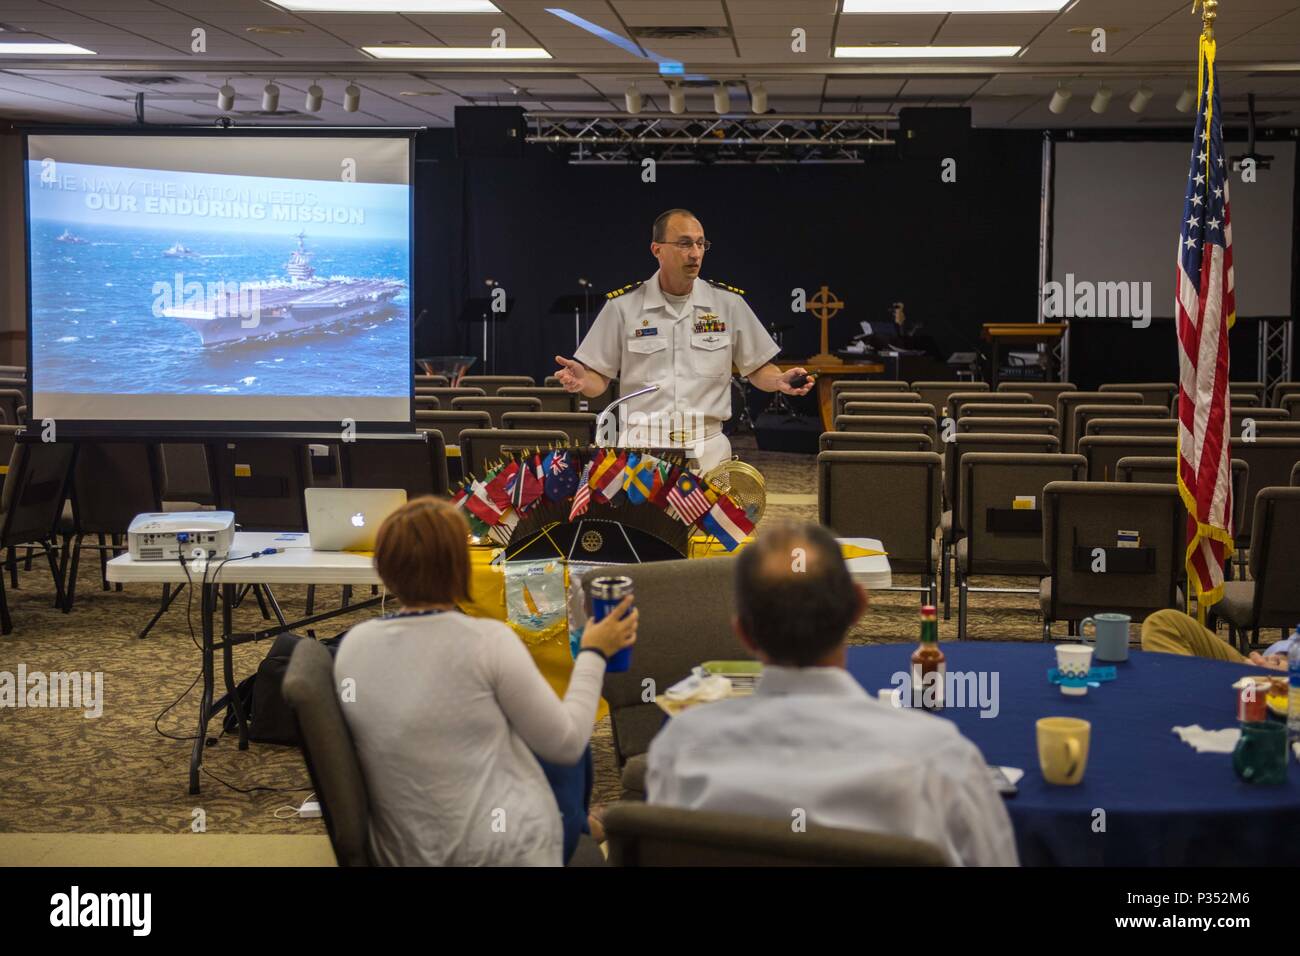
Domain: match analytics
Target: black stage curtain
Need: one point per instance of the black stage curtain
(958, 254)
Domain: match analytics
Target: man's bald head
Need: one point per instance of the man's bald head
(795, 598)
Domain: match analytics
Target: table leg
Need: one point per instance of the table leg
(228, 664)
(206, 614)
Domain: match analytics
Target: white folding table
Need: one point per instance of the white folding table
(293, 563)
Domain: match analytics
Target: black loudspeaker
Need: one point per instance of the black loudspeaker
(933, 132)
(776, 431)
(489, 132)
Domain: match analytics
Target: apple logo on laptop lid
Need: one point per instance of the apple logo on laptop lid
(358, 520)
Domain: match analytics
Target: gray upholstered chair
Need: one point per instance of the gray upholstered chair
(1081, 525)
(1290, 403)
(958, 399)
(416, 464)
(864, 385)
(899, 424)
(889, 396)
(1244, 400)
(1104, 451)
(950, 521)
(445, 393)
(329, 752)
(496, 407)
(432, 381)
(491, 383)
(893, 496)
(1155, 427)
(1270, 461)
(886, 408)
(553, 399)
(1153, 393)
(937, 393)
(31, 504)
(985, 424)
(1295, 475)
(1068, 401)
(1000, 538)
(665, 651)
(643, 835)
(187, 479)
(1164, 471)
(1280, 391)
(1006, 410)
(874, 441)
(1272, 597)
(579, 426)
(1082, 414)
(479, 447)
(1258, 389)
(450, 424)
(1044, 393)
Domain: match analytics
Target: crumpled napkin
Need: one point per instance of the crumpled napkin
(1209, 741)
(700, 687)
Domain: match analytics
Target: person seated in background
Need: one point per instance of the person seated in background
(1173, 632)
(810, 737)
(451, 714)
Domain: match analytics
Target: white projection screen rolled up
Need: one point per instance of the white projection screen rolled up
(1116, 208)
(220, 278)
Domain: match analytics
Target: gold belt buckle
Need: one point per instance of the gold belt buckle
(679, 436)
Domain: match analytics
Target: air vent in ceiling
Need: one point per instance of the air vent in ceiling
(158, 80)
(682, 33)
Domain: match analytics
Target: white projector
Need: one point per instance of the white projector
(168, 535)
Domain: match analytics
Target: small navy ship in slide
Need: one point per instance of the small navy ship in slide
(302, 301)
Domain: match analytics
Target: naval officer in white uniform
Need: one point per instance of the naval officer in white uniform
(683, 335)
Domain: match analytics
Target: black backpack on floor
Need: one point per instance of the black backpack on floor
(270, 721)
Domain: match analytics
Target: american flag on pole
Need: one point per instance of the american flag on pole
(1206, 309)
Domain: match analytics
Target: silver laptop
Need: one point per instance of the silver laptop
(347, 519)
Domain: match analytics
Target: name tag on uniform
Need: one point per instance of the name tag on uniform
(640, 333)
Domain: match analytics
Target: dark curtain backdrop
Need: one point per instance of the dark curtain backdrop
(957, 254)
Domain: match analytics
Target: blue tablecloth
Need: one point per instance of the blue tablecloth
(1164, 803)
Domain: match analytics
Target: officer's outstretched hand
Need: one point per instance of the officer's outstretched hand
(796, 374)
(572, 375)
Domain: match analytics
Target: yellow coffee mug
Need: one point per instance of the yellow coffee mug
(1063, 749)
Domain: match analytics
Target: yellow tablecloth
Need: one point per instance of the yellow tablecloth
(550, 648)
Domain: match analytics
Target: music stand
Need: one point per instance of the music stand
(576, 304)
(480, 310)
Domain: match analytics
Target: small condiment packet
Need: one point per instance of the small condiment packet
(1027, 502)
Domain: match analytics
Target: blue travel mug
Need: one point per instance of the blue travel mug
(606, 594)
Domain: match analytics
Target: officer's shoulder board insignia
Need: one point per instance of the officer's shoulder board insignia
(722, 285)
(623, 291)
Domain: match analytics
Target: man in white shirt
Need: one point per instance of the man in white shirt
(810, 738)
(684, 336)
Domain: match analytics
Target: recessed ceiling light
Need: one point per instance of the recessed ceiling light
(41, 49)
(926, 52)
(457, 53)
(389, 6)
(953, 6)
(274, 31)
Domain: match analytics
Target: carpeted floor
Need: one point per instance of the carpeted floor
(63, 772)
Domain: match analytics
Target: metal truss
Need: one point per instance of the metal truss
(1274, 352)
(618, 138)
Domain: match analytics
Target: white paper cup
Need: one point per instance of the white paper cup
(1074, 660)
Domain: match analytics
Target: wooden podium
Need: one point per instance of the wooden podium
(1020, 334)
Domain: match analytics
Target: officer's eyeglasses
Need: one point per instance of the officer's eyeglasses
(685, 244)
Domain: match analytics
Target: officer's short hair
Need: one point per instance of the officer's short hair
(661, 224)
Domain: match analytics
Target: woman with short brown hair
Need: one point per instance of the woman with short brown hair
(450, 714)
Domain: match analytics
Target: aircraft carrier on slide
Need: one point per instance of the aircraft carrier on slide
(299, 302)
